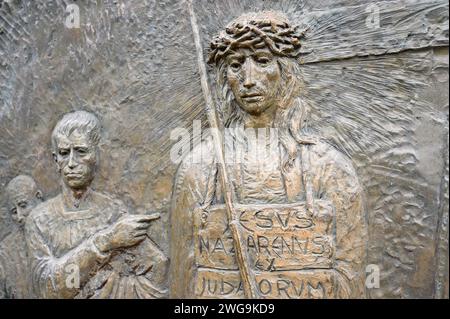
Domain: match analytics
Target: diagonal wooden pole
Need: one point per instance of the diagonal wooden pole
(248, 280)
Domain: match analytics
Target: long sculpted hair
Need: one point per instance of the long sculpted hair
(274, 31)
(291, 114)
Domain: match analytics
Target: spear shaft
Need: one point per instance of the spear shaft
(248, 280)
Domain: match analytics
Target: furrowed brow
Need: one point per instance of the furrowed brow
(236, 56)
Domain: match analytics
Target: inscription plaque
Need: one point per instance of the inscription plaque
(286, 248)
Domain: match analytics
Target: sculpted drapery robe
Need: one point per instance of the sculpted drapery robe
(61, 246)
(14, 267)
(264, 182)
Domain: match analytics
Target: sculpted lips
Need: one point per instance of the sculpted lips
(251, 97)
(74, 175)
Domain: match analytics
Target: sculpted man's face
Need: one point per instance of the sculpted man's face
(76, 157)
(23, 197)
(254, 78)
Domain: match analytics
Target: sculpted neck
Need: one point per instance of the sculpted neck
(75, 198)
(265, 119)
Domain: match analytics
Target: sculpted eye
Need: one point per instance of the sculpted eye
(235, 66)
(263, 60)
(23, 204)
(13, 211)
(82, 151)
(63, 152)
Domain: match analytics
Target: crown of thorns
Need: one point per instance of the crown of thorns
(279, 36)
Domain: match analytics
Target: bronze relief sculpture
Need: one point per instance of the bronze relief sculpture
(87, 233)
(15, 273)
(321, 170)
(299, 207)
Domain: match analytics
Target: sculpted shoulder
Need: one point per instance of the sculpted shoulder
(4, 245)
(12, 240)
(107, 200)
(43, 211)
(197, 163)
(336, 166)
(322, 153)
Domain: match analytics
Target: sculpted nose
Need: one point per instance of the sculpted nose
(249, 80)
(20, 216)
(71, 163)
(249, 84)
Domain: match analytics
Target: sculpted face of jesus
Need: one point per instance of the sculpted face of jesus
(254, 77)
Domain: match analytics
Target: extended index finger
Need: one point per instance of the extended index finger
(146, 218)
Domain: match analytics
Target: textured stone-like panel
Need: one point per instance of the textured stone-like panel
(133, 63)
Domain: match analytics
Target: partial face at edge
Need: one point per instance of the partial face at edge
(254, 78)
(76, 157)
(22, 199)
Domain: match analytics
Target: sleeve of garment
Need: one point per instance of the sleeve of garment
(188, 194)
(339, 183)
(3, 292)
(59, 277)
(159, 267)
(151, 271)
(181, 236)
